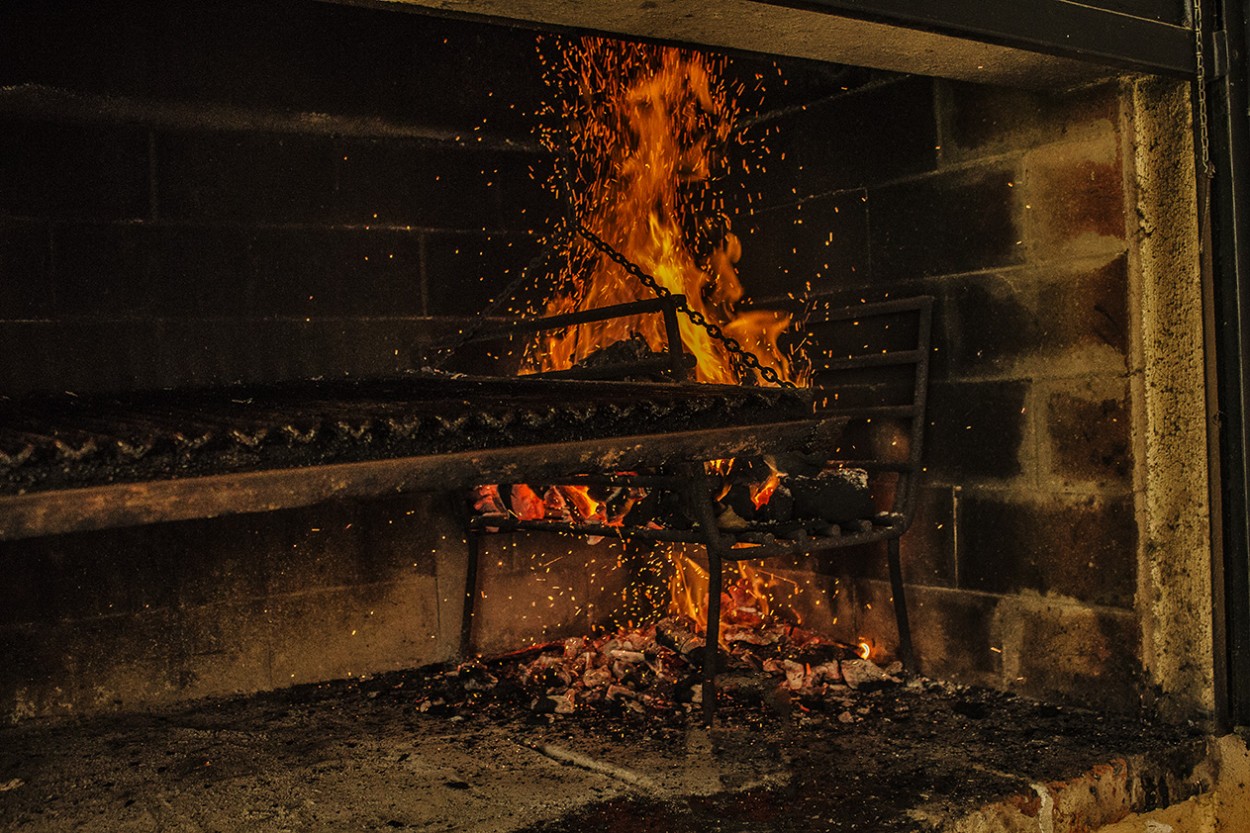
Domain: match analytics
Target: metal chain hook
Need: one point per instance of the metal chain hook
(1204, 137)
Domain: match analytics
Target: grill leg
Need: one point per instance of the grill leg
(711, 653)
(470, 595)
(900, 605)
(699, 500)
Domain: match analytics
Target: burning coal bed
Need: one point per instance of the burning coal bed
(655, 670)
(781, 495)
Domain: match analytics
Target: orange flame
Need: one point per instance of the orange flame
(761, 492)
(749, 599)
(648, 128)
(527, 504)
(587, 507)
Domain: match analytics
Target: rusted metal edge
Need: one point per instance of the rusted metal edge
(132, 504)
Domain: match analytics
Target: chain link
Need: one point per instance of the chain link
(745, 356)
(1204, 141)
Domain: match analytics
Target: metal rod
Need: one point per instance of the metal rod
(869, 310)
(572, 319)
(870, 411)
(665, 364)
(891, 359)
(907, 653)
(672, 332)
(699, 502)
(711, 652)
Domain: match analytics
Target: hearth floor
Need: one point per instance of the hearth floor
(360, 756)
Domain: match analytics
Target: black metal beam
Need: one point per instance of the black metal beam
(1155, 40)
(1229, 195)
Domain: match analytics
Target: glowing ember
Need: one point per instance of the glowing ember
(647, 127)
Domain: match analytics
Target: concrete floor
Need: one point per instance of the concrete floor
(360, 756)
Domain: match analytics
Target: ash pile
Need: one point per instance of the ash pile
(656, 670)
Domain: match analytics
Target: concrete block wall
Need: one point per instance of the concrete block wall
(229, 192)
(126, 619)
(225, 192)
(1016, 212)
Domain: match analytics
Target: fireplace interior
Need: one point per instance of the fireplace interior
(234, 237)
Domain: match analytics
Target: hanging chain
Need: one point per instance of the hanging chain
(714, 330)
(1204, 140)
(564, 233)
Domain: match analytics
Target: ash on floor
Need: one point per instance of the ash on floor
(361, 755)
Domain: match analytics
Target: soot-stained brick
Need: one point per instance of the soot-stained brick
(25, 260)
(465, 271)
(62, 171)
(979, 120)
(104, 270)
(1089, 436)
(441, 186)
(957, 221)
(872, 136)
(1084, 548)
(341, 273)
(799, 250)
(38, 667)
(990, 322)
(975, 430)
(246, 177)
(844, 141)
(1001, 322)
(279, 178)
(85, 575)
(1066, 650)
(1076, 196)
(286, 56)
(954, 633)
(1087, 308)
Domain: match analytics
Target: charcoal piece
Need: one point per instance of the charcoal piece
(750, 473)
(667, 509)
(674, 633)
(629, 350)
(865, 675)
(800, 464)
(838, 496)
(780, 506)
(738, 500)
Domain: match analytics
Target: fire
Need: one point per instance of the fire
(749, 599)
(761, 492)
(647, 127)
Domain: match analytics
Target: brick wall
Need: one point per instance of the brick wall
(238, 192)
(228, 191)
(223, 192)
(1012, 209)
